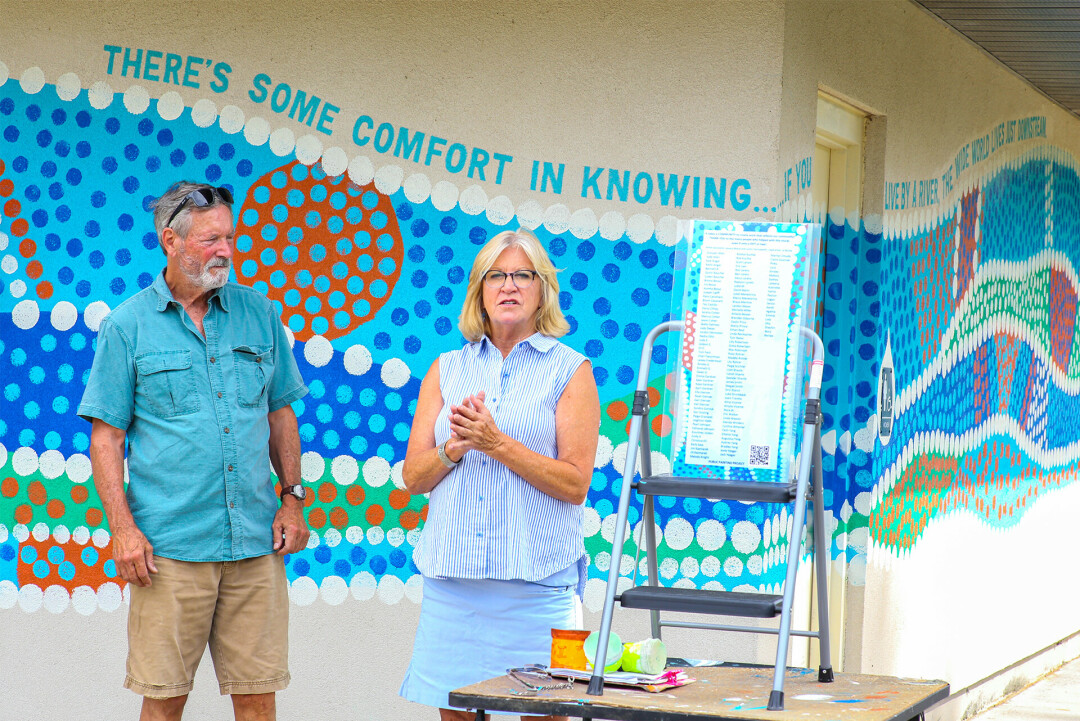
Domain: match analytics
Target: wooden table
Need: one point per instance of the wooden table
(731, 693)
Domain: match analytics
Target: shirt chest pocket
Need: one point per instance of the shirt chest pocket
(168, 382)
(254, 368)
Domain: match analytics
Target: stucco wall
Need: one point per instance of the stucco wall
(694, 97)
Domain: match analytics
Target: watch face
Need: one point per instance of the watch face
(299, 491)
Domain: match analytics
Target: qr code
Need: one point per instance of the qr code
(759, 455)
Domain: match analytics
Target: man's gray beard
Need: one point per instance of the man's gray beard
(207, 280)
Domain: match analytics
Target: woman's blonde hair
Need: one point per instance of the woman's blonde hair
(473, 322)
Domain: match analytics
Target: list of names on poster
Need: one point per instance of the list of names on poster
(740, 338)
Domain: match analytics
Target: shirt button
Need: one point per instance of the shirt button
(258, 360)
(226, 429)
(219, 394)
(230, 466)
(212, 359)
(232, 505)
(479, 535)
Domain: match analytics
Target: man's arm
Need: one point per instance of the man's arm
(290, 528)
(132, 553)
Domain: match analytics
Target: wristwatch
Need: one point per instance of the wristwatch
(297, 491)
(446, 461)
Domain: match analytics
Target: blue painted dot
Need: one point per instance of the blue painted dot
(478, 236)
(448, 225)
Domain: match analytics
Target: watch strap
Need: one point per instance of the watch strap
(288, 491)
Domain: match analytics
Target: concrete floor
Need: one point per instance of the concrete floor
(1053, 698)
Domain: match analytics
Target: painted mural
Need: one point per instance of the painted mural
(971, 312)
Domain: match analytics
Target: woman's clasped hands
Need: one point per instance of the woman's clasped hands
(473, 426)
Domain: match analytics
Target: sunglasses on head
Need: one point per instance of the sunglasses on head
(201, 198)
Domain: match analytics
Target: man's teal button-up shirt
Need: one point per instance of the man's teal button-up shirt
(195, 411)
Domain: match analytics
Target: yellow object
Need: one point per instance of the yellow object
(648, 656)
(568, 648)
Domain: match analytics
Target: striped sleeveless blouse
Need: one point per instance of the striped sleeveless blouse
(484, 520)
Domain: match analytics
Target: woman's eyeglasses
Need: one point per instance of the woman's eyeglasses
(201, 198)
(521, 279)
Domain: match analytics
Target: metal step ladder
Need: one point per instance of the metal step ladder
(657, 598)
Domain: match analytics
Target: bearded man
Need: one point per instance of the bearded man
(196, 374)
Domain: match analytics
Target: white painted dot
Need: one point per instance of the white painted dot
(444, 196)
(862, 503)
(256, 131)
(711, 534)
(668, 567)
(357, 360)
(710, 566)
(136, 99)
(312, 466)
(94, 314)
(607, 528)
(395, 536)
(375, 535)
(24, 461)
(753, 565)
(612, 225)
(557, 218)
(25, 314)
(417, 188)
(414, 588)
(61, 534)
(5, 73)
(395, 373)
(78, 468)
(3, 455)
(361, 171)
(391, 590)
(362, 587)
(396, 477)
(332, 538)
(63, 315)
(100, 95)
(68, 86)
(41, 532)
(282, 142)
(679, 533)
(604, 452)
(20, 532)
(56, 599)
(745, 536)
(52, 464)
(3, 533)
(376, 471)
(313, 541)
(335, 161)
(689, 567)
(303, 591)
(500, 210)
(733, 566)
(3, 241)
(603, 561)
(100, 538)
(639, 228)
(32, 80)
(9, 264)
(84, 600)
(318, 351)
(308, 149)
(81, 535)
(9, 594)
(17, 289)
(170, 106)
(388, 179)
(667, 230)
(473, 200)
(204, 113)
(231, 119)
(530, 214)
(354, 534)
(590, 522)
(30, 597)
(583, 223)
(412, 537)
(345, 470)
(334, 590)
(595, 593)
(289, 335)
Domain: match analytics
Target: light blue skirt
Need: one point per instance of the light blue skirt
(472, 630)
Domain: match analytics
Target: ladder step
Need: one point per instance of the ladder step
(692, 600)
(762, 491)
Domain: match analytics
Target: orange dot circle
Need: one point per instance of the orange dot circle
(27, 248)
(12, 208)
(339, 517)
(79, 494)
(55, 509)
(375, 514)
(355, 495)
(617, 410)
(399, 499)
(409, 520)
(309, 499)
(654, 397)
(24, 514)
(327, 492)
(33, 269)
(36, 493)
(6, 187)
(19, 227)
(661, 425)
(9, 487)
(423, 513)
(44, 290)
(317, 518)
(93, 516)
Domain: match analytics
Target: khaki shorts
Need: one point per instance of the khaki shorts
(241, 608)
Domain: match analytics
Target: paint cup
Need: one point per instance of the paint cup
(614, 652)
(568, 648)
(648, 656)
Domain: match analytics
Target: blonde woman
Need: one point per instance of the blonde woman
(504, 439)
